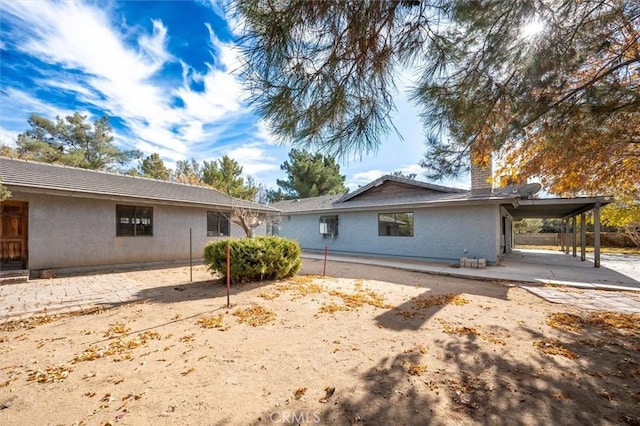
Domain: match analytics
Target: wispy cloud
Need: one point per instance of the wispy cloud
(119, 70)
(254, 159)
(17, 105)
(169, 86)
(8, 137)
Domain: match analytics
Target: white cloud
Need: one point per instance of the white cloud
(218, 6)
(79, 90)
(254, 159)
(8, 137)
(18, 105)
(123, 79)
(264, 133)
(119, 70)
(155, 45)
(224, 9)
(226, 54)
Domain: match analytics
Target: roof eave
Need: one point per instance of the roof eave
(410, 205)
(40, 189)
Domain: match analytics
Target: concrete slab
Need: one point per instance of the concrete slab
(617, 272)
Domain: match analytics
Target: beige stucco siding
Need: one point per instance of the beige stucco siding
(66, 232)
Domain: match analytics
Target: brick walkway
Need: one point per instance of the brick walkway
(68, 294)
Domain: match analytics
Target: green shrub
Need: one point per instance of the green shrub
(254, 259)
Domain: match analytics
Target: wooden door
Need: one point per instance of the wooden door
(13, 240)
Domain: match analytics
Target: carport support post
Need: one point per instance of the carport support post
(575, 235)
(596, 236)
(562, 235)
(583, 238)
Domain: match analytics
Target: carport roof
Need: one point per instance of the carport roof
(554, 208)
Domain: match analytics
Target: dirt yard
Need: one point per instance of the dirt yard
(373, 346)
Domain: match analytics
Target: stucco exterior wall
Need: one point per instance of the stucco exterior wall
(440, 233)
(67, 232)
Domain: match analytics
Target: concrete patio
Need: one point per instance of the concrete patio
(617, 271)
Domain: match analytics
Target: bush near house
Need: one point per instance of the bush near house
(254, 259)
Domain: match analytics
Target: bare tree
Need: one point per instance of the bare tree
(248, 218)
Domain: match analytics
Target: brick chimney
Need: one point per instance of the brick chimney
(481, 179)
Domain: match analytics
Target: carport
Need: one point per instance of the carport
(567, 209)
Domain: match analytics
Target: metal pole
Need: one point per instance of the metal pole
(574, 235)
(596, 236)
(583, 238)
(190, 255)
(324, 269)
(228, 277)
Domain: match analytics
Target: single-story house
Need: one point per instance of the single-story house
(61, 217)
(397, 217)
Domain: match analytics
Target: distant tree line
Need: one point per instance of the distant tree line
(73, 141)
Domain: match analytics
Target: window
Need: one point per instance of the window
(217, 224)
(395, 224)
(134, 221)
(329, 225)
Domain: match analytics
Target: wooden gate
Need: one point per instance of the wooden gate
(13, 240)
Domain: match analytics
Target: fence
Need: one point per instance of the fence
(607, 239)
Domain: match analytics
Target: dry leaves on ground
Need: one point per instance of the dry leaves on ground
(608, 320)
(439, 300)
(417, 369)
(448, 328)
(50, 374)
(255, 316)
(212, 322)
(299, 393)
(554, 347)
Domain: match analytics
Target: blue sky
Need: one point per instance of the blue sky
(163, 72)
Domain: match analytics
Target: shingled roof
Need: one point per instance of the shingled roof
(418, 194)
(30, 176)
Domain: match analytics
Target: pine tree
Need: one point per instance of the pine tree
(225, 176)
(563, 104)
(153, 167)
(311, 175)
(72, 141)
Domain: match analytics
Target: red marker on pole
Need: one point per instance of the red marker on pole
(228, 277)
(324, 269)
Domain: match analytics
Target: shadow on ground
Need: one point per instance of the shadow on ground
(209, 289)
(433, 284)
(484, 385)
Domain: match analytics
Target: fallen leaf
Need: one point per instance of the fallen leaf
(417, 369)
(299, 393)
(329, 391)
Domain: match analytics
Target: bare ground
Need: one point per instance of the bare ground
(373, 346)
